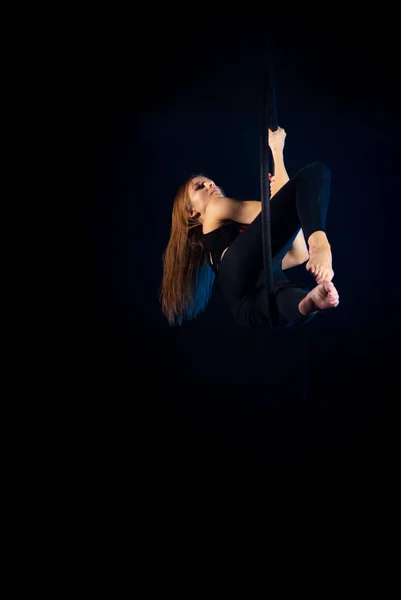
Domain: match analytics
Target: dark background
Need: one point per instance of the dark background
(155, 99)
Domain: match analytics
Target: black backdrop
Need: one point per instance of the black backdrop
(207, 403)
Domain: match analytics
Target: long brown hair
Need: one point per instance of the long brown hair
(188, 277)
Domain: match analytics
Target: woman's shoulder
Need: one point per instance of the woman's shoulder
(231, 210)
(211, 224)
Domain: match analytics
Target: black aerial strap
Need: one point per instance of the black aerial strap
(269, 120)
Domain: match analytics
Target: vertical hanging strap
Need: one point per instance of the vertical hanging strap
(269, 120)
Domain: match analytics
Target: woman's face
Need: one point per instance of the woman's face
(201, 190)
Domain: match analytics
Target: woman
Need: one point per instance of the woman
(214, 237)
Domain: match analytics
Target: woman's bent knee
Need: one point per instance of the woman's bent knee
(321, 167)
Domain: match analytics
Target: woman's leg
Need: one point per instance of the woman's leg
(302, 202)
(287, 295)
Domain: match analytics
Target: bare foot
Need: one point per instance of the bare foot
(321, 297)
(320, 262)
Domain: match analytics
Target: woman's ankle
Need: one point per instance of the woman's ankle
(318, 238)
(307, 307)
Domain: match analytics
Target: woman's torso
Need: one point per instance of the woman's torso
(226, 230)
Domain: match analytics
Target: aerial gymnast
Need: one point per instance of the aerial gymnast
(217, 238)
